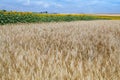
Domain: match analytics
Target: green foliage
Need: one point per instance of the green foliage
(25, 17)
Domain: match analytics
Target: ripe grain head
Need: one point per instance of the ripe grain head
(80, 50)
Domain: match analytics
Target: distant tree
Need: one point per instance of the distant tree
(43, 12)
(46, 12)
(4, 10)
(54, 13)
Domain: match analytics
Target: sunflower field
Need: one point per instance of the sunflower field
(29, 17)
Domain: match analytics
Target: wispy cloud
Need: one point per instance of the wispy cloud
(23, 2)
(65, 6)
(27, 2)
(46, 4)
(41, 3)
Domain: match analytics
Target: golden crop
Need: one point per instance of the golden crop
(81, 50)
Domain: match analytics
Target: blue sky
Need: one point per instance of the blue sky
(63, 6)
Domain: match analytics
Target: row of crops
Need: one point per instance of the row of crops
(28, 17)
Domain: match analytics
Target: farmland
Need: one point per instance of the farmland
(76, 50)
(29, 17)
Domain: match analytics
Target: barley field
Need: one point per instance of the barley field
(77, 50)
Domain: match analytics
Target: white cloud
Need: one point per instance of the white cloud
(27, 2)
(24, 2)
(57, 5)
(41, 3)
(46, 4)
